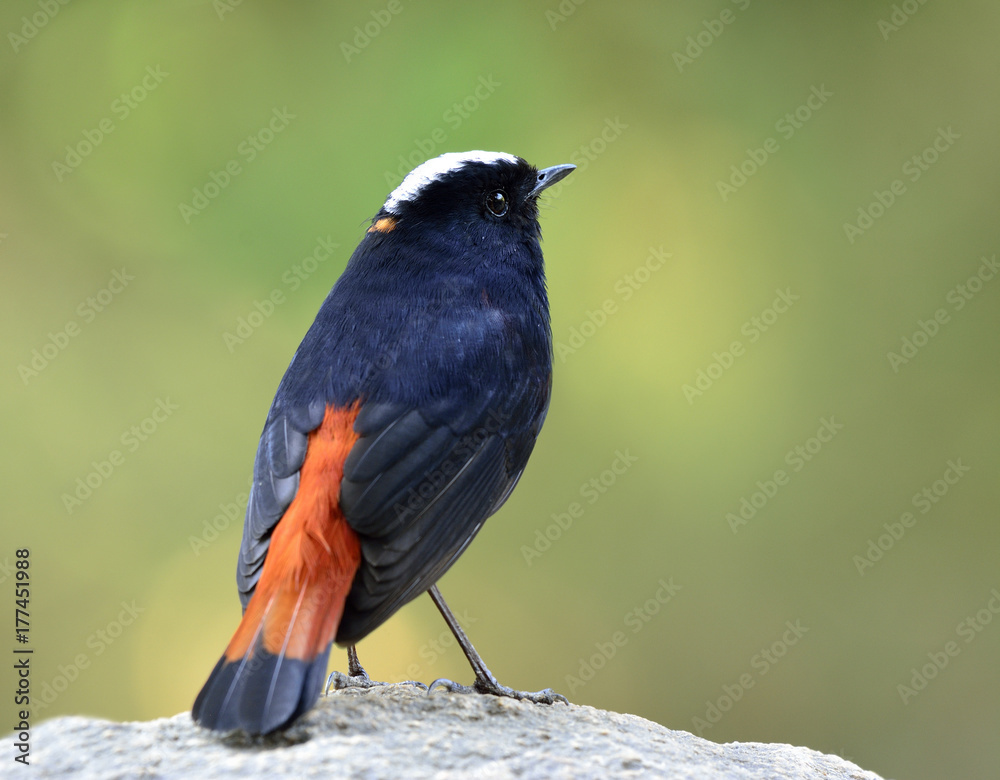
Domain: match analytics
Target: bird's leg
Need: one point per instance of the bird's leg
(356, 676)
(485, 681)
(354, 667)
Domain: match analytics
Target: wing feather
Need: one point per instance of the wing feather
(419, 485)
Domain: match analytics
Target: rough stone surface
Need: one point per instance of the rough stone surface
(399, 732)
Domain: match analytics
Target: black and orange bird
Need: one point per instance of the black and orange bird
(404, 420)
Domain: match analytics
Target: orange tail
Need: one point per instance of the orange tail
(274, 667)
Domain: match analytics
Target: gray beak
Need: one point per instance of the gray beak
(549, 176)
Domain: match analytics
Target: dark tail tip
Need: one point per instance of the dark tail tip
(259, 693)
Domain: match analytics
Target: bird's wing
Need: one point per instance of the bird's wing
(418, 485)
(280, 455)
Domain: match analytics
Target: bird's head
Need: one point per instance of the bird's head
(485, 197)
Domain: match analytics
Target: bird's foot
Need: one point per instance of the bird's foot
(491, 686)
(338, 681)
(357, 677)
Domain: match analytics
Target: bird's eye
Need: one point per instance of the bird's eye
(496, 202)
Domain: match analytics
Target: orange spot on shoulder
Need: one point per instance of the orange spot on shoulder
(384, 225)
(313, 556)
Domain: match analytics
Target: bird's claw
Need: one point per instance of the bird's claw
(450, 685)
(482, 686)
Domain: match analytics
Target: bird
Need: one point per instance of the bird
(404, 420)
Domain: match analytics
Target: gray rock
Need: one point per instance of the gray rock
(398, 731)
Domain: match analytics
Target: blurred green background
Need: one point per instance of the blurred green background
(732, 157)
